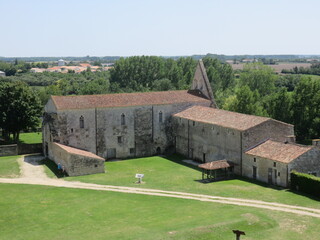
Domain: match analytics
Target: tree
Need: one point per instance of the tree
(278, 106)
(245, 101)
(162, 85)
(20, 109)
(220, 75)
(258, 77)
(306, 108)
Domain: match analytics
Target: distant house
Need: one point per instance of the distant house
(61, 62)
(2, 74)
(85, 65)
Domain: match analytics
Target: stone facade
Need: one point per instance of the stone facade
(272, 161)
(76, 162)
(199, 136)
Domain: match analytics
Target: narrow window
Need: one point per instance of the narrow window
(123, 119)
(81, 122)
(274, 164)
(254, 159)
(71, 130)
(194, 123)
(160, 117)
(278, 174)
(119, 139)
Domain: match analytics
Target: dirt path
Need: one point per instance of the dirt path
(33, 173)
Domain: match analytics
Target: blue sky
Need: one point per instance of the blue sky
(149, 27)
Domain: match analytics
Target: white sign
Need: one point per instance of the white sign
(139, 175)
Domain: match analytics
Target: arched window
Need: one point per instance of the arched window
(160, 117)
(81, 122)
(123, 119)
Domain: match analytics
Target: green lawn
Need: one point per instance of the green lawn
(172, 174)
(30, 138)
(40, 212)
(9, 166)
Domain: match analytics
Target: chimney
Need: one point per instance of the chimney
(316, 142)
(290, 139)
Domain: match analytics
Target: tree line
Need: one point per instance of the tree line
(255, 90)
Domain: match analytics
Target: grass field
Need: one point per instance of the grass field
(9, 166)
(30, 138)
(27, 138)
(40, 212)
(172, 174)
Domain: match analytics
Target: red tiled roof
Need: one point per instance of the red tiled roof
(220, 117)
(216, 165)
(77, 151)
(279, 151)
(124, 100)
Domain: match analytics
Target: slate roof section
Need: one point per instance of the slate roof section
(125, 100)
(220, 164)
(77, 151)
(222, 118)
(278, 151)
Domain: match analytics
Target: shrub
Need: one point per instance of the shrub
(305, 183)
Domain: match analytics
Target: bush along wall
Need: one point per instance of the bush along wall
(305, 183)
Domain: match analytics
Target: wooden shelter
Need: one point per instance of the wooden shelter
(216, 170)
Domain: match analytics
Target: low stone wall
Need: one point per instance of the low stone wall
(76, 162)
(29, 148)
(20, 149)
(8, 150)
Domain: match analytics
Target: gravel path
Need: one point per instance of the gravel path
(33, 173)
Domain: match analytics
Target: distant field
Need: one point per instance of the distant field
(277, 68)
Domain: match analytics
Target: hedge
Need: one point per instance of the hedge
(305, 183)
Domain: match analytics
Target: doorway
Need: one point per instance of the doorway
(270, 175)
(254, 172)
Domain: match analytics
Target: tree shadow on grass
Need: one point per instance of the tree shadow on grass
(53, 168)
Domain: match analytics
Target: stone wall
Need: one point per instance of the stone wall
(270, 129)
(76, 164)
(29, 148)
(207, 142)
(308, 162)
(8, 150)
(279, 170)
(141, 134)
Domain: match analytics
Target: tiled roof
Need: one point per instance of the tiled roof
(124, 100)
(216, 165)
(222, 118)
(77, 151)
(279, 151)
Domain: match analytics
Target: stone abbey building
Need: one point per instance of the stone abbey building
(81, 132)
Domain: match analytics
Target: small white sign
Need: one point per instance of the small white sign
(139, 175)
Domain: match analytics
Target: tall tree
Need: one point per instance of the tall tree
(245, 101)
(258, 77)
(20, 109)
(278, 105)
(306, 108)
